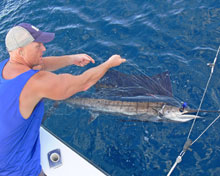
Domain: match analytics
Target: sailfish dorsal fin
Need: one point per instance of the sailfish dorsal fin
(115, 83)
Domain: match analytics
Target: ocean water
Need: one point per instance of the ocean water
(154, 36)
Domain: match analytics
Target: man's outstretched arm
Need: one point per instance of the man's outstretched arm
(62, 86)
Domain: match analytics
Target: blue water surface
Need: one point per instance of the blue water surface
(154, 36)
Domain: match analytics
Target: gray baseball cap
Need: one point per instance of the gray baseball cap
(23, 34)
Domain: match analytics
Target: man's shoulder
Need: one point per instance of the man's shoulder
(41, 78)
(42, 75)
(46, 79)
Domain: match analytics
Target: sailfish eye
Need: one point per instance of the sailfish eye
(181, 109)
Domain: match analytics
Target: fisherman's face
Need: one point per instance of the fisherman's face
(32, 53)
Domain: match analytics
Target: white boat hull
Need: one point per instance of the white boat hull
(72, 163)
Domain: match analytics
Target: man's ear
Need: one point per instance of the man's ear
(20, 52)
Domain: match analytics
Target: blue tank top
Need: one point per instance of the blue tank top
(19, 137)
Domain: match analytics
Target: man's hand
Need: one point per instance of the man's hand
(115, 60)
(81, 59)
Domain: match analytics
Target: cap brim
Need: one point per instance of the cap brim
(45, 37)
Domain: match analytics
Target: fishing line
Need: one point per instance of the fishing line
(205, 129)
(189, 142)
(210, 76)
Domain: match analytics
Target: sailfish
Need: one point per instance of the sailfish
(138, 97)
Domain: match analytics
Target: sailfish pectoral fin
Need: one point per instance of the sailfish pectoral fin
(159, 113)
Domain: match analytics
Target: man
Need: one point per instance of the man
(22, 89)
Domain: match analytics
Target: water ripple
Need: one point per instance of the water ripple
(204, 48)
